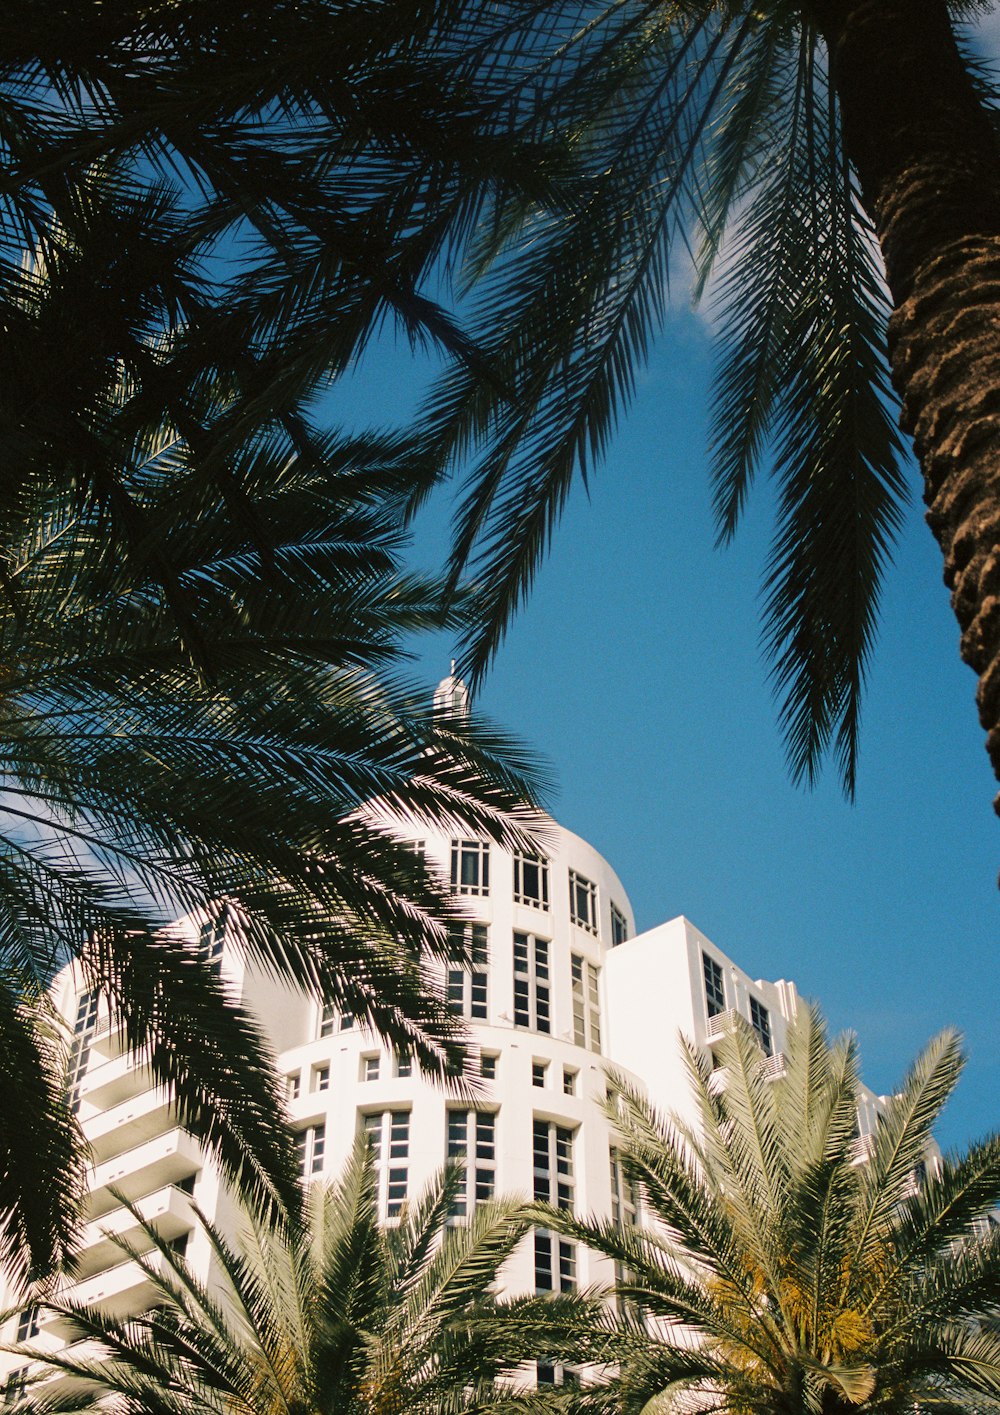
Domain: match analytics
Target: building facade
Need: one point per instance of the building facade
(560, 989)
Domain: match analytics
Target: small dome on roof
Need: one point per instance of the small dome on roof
(451, 696)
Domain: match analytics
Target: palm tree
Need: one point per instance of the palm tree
(798, 140)
(207, 213)
(776, 1271)
(141, 780)
(337, 1316)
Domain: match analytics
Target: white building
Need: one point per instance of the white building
(560, 989)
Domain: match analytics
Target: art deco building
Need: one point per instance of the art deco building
(560, 989)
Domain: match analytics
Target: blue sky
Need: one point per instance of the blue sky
(636, 672)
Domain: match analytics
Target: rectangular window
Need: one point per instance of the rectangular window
(388, 1132)
(624, 1214)
(404, 1064)
(310, 1147)
(293, 1086)
(14, 1385)
(472, 1141)
(552, 1147)
(488, 1066)
(531, 880)
(624, 1194)
(86, 1013)
(332, 1021)
(583, 902)
(212, 938)
(619, 926)
(761, 1021)
(569, 1081)
(715, 993)
(467, 987)
(585, 978)
(470, 867)
(84, 1028)
(531, 982)
(321, 1078)
(370, 1067)
(27, 1323)
(555, 1263)
(538, 1072)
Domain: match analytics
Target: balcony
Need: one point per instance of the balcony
(128, 1124)
(108, 1041)
(862, 1147)
(120, 1291)
(118, 1079)
(168, 1211)
(60, 1386)
(138, 1172)
(773, 1066)
(725, 1024)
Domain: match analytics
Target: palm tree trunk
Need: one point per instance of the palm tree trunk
(929, 167)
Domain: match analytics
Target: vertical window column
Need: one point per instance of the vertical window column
(552, 1152)
(389, 1134)
(531, 983)
(468, 987)
(585, 978)
(84, 1028)
(472, 1140)
(761, 1021)
(715, 992)
(310, 1149)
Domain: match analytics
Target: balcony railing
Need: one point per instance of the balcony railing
(724, 1024)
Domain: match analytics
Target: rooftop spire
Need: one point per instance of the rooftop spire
(451, 696)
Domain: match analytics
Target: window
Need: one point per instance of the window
(625, 1215)
(624, 1194)
(715, 993)
(84, 1028)
(370, 1067)
(403, 1064)
(331, 1021)
(531, 982)
(310, 1147)
(179, 1246)
(555, 1263)
(583, 902)
(321, 1078)
(488, 1066)
(293, 1086)
(549, 1372)
(761, 1022)
(531, 880)
(539, 1070)
(467, 987)
(569, 1081)
(28, 1324)
(470, 866)
(552, 1146)
(472, 1140)
(86, 1013)
(388, 1133)
(212, 938)
(14, 1385)
(586, 1003)
(619, 926)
